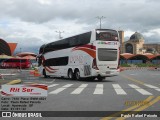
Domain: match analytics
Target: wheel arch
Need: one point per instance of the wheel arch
(76, 69)
(69, 70)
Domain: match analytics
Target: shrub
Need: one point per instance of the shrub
(146, 65)
(125, 65)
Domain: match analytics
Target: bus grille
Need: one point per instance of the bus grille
(87, 70)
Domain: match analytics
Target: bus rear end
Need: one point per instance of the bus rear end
(107, 45)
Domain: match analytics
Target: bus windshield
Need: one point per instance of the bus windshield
(107, 35)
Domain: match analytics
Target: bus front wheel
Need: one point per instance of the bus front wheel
(70, 74)
(44, 73)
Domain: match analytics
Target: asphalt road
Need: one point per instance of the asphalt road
(130, 91)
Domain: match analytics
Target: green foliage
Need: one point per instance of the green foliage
(147, 65)
(140, 65)
(125, 65)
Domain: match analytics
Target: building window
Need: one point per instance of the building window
(129, 48)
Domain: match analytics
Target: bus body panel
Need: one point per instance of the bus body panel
(77, 59)
(96, 58)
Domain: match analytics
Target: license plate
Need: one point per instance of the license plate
(108, 72)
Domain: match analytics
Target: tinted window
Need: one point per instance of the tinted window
(41, 49)
(61, 61)
(15, 60)
(81, 39)
(2, 60)
(107, 35)
(129, 48)
(107, 54)
(84, 38)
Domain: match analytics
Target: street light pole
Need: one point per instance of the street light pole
(60, 32)
(100, 20)
(20, 60)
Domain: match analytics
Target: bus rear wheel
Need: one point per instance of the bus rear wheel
(77, 74)
(100, 78)
(90, 78)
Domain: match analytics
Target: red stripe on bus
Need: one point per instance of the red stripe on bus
(92, 53)
(86, 46)
(49, 70)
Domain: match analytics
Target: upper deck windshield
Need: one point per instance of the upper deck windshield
(107, 35)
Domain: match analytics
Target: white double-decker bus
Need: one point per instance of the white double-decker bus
(93, 54)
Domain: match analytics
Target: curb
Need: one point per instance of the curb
(154, 69)
(139, 68)
(14, 82)
(133, 68)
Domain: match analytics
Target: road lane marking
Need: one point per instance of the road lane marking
(118, 89)
(51, 81)
(142, 107)
(142, 83)
(149, 104)
(133, 74)
(128, 109)
(132, 79)
(99, 89)
(79, 89)
(61, 89)
(30, 83)
(140, 90)
(153, 87)
(52, 85)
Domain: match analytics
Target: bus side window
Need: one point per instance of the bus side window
(72, 41)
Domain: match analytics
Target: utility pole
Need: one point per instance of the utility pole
(20, 61)
(60, 32)
(100, 20)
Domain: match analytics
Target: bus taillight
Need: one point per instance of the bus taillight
(94, 64)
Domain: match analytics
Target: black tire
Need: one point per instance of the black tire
(100, 78)
(90, 78)
(77, 74)
(70, 74)
(44, 73)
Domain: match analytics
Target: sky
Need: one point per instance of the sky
(32, 23)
